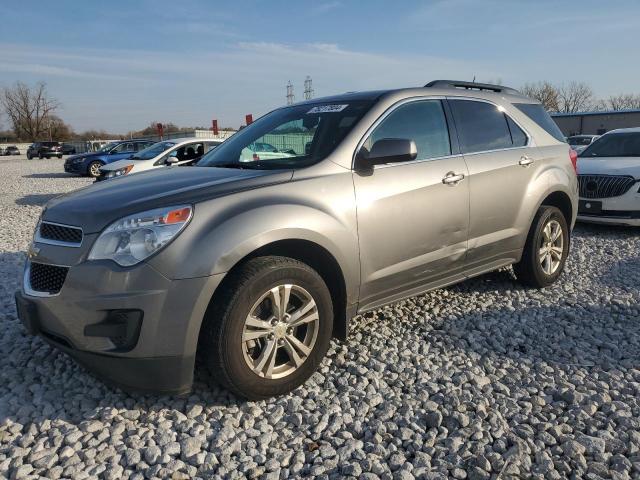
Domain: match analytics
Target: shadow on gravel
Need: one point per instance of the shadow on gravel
(50, 175)
(36, 199)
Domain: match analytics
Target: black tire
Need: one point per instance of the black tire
(221, 346)
(529, 270)
(93, 170)
(29, 157)
(59, 156)
(40, 156)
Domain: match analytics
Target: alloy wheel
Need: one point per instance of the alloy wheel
(551, 247)
(94, 169)
(280, 331)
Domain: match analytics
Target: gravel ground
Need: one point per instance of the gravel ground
(481, 380)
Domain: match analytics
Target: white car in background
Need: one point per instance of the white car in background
(263, 151)
(178, 151)
(609, 179)
(580, 142)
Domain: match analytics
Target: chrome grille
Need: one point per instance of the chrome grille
(47, 278)
(60, 233)
(604, 186)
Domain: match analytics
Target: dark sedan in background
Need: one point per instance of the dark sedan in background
(44, 150)
(88, 164)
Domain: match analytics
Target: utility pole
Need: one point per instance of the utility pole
(308, 88)
(290, 97)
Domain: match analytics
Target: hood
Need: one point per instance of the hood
(96, 206)
(609, 166)
(83, 155)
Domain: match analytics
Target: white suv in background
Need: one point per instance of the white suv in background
(609, 176)
(178, 151)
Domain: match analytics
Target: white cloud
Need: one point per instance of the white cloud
(125, 90)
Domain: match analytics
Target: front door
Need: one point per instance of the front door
(412, 226)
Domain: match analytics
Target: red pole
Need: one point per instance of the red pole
(214, 127)
(248, 118)
(160, 130)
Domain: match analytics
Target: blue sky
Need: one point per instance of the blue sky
(119, 65)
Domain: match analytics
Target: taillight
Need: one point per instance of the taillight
(573, 155)
(256, 157)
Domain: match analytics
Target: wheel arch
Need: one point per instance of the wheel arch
(562, 201)
(312, 254)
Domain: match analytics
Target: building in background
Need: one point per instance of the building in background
(596, 123)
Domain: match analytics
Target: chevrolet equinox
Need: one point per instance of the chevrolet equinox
(253, 264)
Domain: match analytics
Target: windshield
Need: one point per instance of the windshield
(153, 151)
(290, 137)
(107, 147)
(615, 145)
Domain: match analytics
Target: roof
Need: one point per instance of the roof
(437, 89)
(603, 112)
(624, 130)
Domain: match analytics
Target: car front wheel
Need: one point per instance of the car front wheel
(269, 328)
(94, 169)
(546, 249)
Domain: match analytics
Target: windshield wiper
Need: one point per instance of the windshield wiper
(238, 165)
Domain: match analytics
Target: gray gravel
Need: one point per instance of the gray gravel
(480, 380)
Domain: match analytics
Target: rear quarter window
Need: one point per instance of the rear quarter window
(538, 114)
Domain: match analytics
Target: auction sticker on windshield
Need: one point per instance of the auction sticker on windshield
(327, 109)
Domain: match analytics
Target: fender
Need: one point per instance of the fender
(223, 231)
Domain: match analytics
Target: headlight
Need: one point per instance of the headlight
(119, 172)
(132, 239)
(78, 160)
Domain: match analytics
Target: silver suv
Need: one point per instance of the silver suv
(253, 264)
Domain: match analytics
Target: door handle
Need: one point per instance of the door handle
(525, 161)
(452, 178)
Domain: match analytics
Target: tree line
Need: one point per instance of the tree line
(32, 112)
(576, 96)
(32, 116)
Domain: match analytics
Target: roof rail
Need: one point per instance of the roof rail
(472, 86)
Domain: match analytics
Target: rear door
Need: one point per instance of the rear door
(412, 226)
(501, 165)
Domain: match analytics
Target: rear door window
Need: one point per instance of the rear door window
(518, 137)
(481, 126)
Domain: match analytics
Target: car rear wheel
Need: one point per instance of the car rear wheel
(94, 169)
(546, 249)
(269, 328)
(29, 157)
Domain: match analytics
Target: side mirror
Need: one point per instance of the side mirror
(171, 160)
(386, 150)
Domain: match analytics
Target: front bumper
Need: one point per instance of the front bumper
(78, 168)
(620, 210)
(84, 320)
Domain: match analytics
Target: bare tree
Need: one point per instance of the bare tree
(545, 93)
(57, 129)
(624, 101)
(28, 109)
(575, 97)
